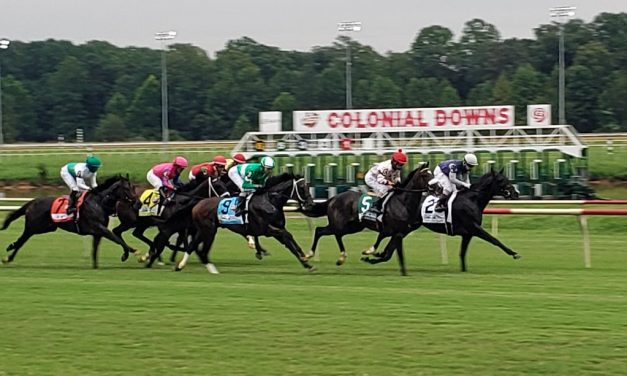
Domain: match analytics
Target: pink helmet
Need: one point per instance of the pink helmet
(180, 162)
(219, 160)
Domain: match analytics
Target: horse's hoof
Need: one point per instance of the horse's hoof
(312, 269)
(212, 269)
(368, 252)
(365, 259)
(177, 269)
(517, 256)
(124, 256)
(5, 261)
(259, 256)
(340, 261)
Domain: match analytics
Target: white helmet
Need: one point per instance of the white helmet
(267, 162)
(470, 159)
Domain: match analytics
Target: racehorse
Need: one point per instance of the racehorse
(129, 214)
(93, 217)
(265, 218)
(400, 210)
(467, 214)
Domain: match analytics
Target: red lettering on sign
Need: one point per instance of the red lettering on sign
(409, 120)
(373, 119)
(346, 119)
(386, 119)
(504, 116)
(440, 117)
(456, 117)
(420, 119)
(332, 120)
(472, 115)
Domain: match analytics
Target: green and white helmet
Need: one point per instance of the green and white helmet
(267, 162)
(93, 162)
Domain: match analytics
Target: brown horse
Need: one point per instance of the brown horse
(265, 218)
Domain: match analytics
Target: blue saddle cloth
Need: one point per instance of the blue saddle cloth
(226, 212)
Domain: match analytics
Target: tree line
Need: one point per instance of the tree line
(50, 88)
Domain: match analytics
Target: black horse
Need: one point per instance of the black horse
(197, 189)
(94, 214)
(400, 209)
(467, 214)
(265, 218)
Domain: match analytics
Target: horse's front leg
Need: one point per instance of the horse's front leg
(483, 234)
(103, 231)
(261, 252)
(285, 238)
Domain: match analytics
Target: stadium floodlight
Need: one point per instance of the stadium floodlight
(4, 44)
(561, 15)
(164, 36)
(351, 26)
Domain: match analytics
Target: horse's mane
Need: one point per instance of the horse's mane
(107, 184)
(278, 179)
(408, 178)
(485, 180)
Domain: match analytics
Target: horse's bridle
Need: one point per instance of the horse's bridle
(295, 188)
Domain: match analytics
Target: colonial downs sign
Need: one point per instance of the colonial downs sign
(422, 118)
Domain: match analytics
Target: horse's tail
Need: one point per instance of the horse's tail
(319, 209)
(15, 215)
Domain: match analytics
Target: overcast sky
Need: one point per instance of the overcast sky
(388, 25)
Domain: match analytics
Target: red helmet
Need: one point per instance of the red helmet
(239, 158)
(399, 157)
(219, 160)
(180, 162)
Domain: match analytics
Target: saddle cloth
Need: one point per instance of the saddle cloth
(58, 209)
(429, 215)
(150, 203)
(226, 211)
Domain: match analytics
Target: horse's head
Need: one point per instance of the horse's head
(293, 187)
(504, 187)
(418, 178)
(300, 192)
(123, 190)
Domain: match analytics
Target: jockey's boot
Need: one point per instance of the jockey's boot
(240, 209)
(441, 205)
(378, 205)
(71, 203)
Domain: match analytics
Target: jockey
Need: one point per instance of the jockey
(451, 175)
(237, 159)
(212, 170)
(166, 176)
(80, 177)
(248, 177)
(382, 176)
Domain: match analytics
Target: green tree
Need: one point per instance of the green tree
(18, 112)
(242, 125)
(286, 103)
(612, 101)
(144, 114)
(67, 92)
(502, 92)
(385, 93)
(526, 88)
(111, 128)
(481, 95)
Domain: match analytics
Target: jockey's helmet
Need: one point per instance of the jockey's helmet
(180, 162)
(239, 158)
(219, 160)
(93, 163)
(470, 160)
(399, 157)
(267, 162)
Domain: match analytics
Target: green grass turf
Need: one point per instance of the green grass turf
(543, 314)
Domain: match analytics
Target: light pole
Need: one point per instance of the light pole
(341, 27)
(561, 14)
(4, 44)
(163, 36)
